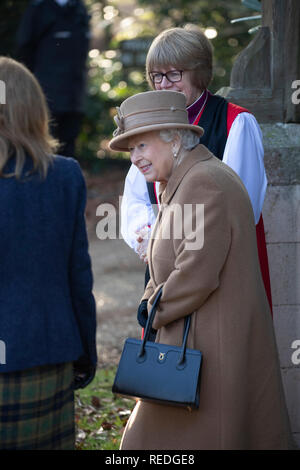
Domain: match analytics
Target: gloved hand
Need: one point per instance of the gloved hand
(142, 316)
(84, 372)
(142, 313)
(143, 235)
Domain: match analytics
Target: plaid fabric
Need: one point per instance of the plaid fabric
(37, 408)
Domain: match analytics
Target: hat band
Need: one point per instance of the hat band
(154, 117)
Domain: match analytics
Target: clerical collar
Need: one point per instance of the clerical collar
(195, 108)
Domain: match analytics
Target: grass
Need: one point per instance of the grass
(100, 416)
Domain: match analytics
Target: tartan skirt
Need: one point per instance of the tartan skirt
(37, 408)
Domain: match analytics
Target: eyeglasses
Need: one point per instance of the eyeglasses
(173, 76)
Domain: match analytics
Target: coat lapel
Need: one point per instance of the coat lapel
(166, 192)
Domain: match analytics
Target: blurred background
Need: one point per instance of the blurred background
(120, 34)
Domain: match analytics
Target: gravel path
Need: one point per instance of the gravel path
(118, 286)
(118, 273)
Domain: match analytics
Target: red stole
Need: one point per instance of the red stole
(232, 111)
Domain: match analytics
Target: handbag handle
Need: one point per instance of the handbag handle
(187, 322)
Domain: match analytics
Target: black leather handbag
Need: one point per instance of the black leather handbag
(158, 372)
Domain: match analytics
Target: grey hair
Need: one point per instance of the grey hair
(189, 139)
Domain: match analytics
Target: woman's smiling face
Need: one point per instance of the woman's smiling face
(184, 86)
(152, 156)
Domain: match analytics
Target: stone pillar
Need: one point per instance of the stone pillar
(263, 80)
(281, 214)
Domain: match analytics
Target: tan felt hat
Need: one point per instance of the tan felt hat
(150, 111)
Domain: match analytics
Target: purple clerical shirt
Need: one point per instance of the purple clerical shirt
(194, 109)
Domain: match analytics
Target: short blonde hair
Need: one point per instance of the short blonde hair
(184, 48)
(24, 120)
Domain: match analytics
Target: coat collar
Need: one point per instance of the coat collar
(200, 153)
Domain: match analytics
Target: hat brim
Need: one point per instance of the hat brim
(120, 142)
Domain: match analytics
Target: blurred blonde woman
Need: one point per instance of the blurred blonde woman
(47, 320)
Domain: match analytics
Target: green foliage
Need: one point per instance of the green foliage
(109, 82)
(230, 39)
(100, 416)
(108, 85)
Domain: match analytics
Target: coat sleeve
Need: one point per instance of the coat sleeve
(196, 272)
(26, 39)
(81, 278)
(37, 21)
(148, 290)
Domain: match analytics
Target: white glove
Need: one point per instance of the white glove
(143, 236)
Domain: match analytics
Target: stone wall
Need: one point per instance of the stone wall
(281, 214)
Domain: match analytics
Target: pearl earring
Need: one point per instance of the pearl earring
(175, 153)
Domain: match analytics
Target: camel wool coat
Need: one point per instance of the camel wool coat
(218, 280)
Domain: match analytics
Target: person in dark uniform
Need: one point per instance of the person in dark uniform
(53, 42)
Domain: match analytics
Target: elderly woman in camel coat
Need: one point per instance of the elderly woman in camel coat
(210, 268)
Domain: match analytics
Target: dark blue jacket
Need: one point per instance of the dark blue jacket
(47, 309)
